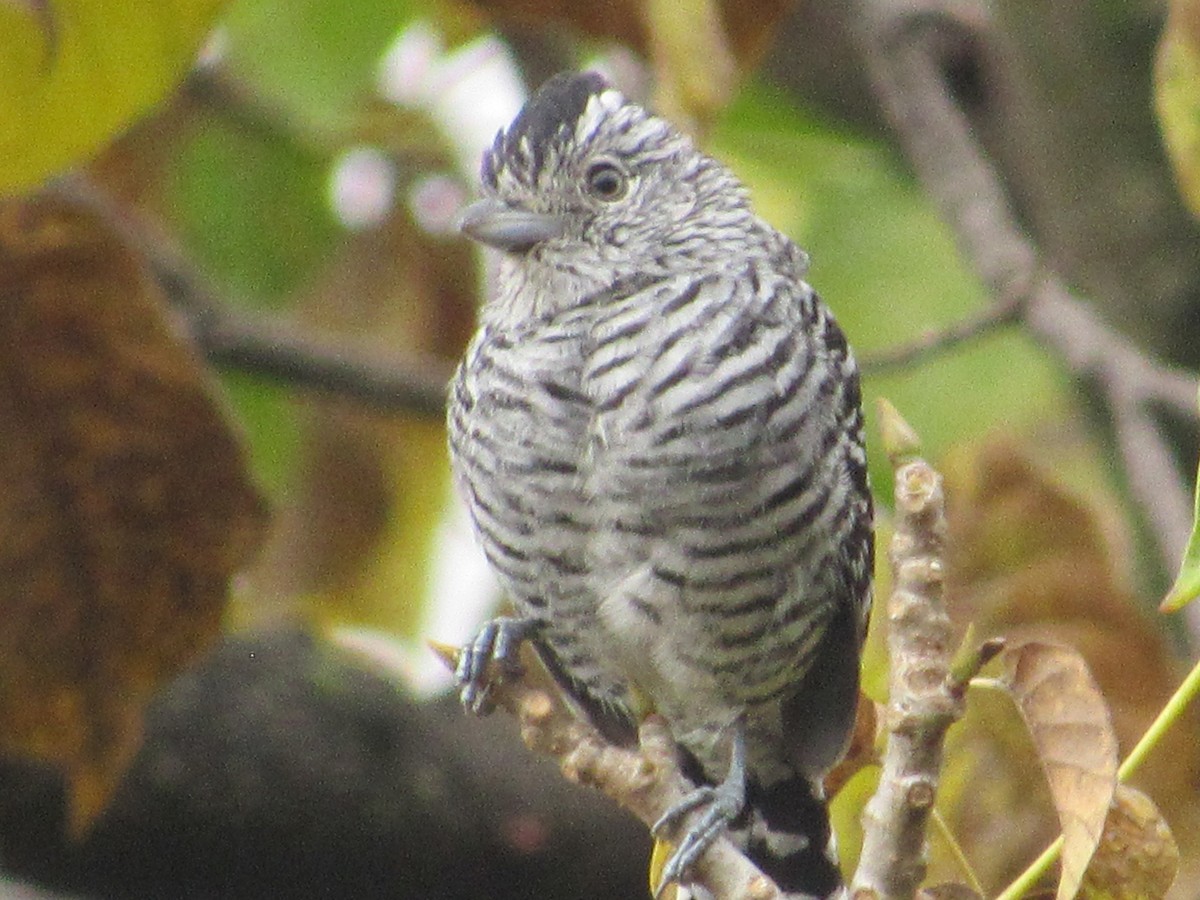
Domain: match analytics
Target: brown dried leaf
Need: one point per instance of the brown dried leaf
(1137, 858)
(1031, 559)
(125, 507)
(1068, 720)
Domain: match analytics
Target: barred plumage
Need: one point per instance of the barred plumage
(658, 433)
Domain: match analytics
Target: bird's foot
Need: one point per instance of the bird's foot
(722, 805)
(499, 642)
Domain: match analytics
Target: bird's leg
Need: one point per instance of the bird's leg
(498, 641)
(723, 804)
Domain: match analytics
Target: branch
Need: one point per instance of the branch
(323, 363)
(271, 347)
(1002, 312)
(906, 47)
(645, 780)
(926, 684)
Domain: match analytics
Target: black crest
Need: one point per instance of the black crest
(555, 107)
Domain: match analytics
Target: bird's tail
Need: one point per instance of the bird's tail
(787, 835)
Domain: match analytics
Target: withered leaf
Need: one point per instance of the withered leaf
(125, 506)
(1069, 722)
(1137, 858)
(1031, 557)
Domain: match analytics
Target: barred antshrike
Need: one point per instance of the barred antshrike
(658, 433)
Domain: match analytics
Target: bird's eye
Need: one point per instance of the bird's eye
(606, 182)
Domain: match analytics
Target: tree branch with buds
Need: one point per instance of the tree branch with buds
(927, 679)
(644, 780)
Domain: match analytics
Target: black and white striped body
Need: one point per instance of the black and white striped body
(664, 463)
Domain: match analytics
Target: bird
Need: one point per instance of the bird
(657, 430)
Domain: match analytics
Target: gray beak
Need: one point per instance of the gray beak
(508, 228)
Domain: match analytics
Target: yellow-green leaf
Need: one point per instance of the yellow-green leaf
(1177, 96)
(900, 441)
(75, 73)
(696, 69)
(1187, 582)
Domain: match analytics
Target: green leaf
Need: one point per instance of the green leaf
(76, 73)
(1187, 582)
(1177, 96)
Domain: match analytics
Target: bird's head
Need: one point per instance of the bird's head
(592, 186)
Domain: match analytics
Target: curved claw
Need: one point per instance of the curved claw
(498, 641)
(724, 803)
(669, 820)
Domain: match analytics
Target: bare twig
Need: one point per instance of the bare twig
(644, 779)
(906, 44)
(925, 694)
(324, 363)
(303, 358)
(1004, 312)
(271, 347)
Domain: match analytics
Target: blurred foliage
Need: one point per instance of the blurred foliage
(252, 207)
(698, 49)
(314, 58)
(241, 179)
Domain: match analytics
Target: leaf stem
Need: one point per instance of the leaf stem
(1031, 876)
(957, 852)
(1170, 714)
